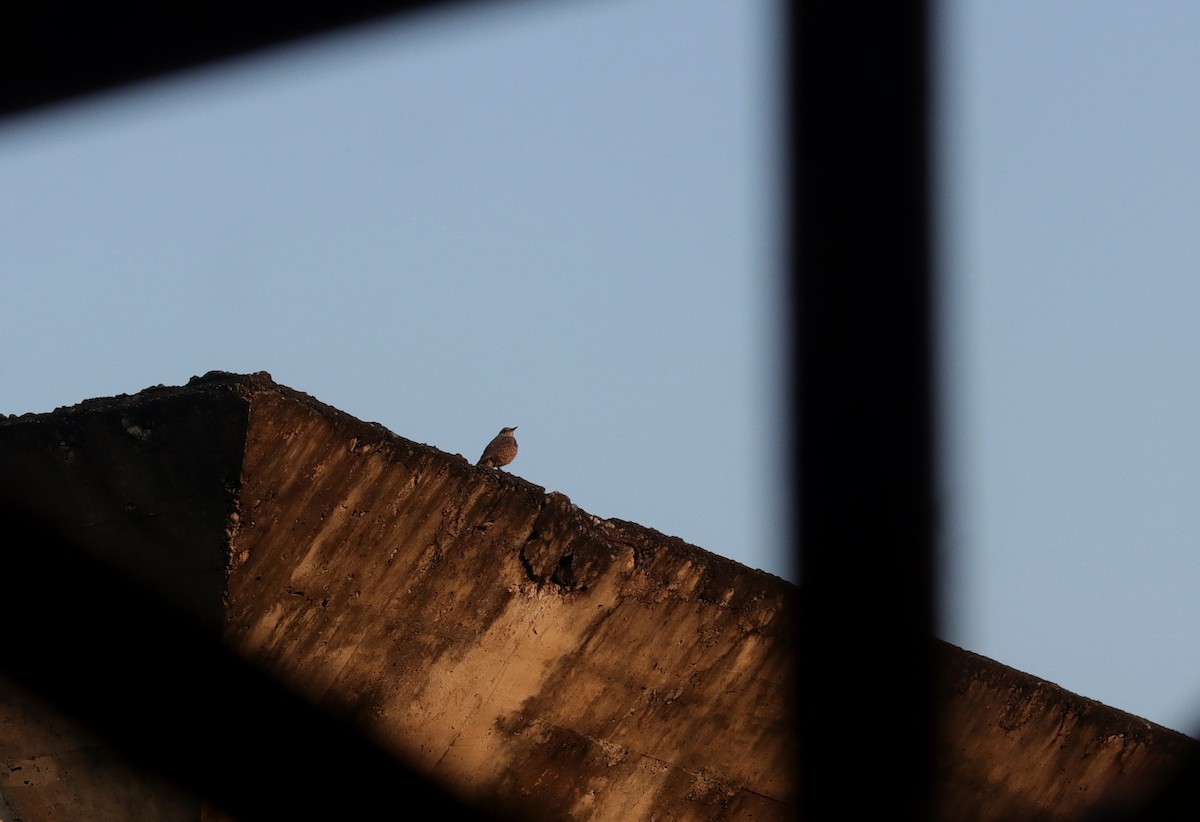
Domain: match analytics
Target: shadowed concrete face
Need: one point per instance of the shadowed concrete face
(147, 483)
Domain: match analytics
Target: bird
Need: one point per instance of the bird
(501, 450)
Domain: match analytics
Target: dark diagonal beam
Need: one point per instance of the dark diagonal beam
(54, 51)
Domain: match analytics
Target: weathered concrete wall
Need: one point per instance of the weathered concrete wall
(507, 643)
(1017, 747)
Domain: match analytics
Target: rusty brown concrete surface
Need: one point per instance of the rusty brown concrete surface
(1017, 747)
(509, 644)
(506, 643)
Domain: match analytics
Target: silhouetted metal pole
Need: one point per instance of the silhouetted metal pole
(864, 389)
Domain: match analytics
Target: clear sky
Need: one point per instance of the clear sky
(565, 217)
(1070, 215)
(559, 216)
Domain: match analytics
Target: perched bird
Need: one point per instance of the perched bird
(501, 450)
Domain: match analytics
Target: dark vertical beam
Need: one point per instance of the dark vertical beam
(864, 383)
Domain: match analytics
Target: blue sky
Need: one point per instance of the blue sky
(565, 217)
(1069, 190)
(562, 217)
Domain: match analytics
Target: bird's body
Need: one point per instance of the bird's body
(501, 450)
